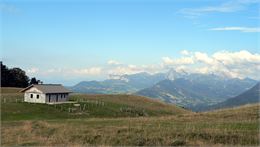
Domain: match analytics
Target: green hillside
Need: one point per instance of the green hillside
(13, 108)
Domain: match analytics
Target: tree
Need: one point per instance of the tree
(34, 81)
(15, 77)
(18, 78)
(4, 75)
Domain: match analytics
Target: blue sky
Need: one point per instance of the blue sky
(70, 41)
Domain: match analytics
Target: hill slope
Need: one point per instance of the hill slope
(90, 106)
(248, 97)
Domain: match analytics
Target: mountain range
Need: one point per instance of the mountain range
(196, 90)
(193, 91)
(119, 84)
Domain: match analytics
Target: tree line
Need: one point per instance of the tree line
(15, 77)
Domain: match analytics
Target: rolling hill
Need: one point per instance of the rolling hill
(13, 108)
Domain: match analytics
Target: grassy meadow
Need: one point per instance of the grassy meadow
(123, 120)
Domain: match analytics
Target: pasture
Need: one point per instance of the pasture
(123, 120)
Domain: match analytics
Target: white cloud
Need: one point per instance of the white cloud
(113, 62)
(226, 7)
(133, 69)
(125, 69)
(241, 29)
(32, 70)
(167, 60)
(88, 71)
(203, 57)
(181, 61)
(65, 72)
(243, 56)
(185, 52)
(238, 64)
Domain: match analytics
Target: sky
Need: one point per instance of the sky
(72, 40)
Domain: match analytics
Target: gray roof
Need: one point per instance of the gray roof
(49, 88)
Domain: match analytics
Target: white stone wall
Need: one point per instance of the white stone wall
(34, 98)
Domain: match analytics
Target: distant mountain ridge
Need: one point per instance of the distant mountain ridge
(189, 90)
(194, 90)
(119, 84)
(248, 97)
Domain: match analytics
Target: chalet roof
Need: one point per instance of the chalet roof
(48, 88)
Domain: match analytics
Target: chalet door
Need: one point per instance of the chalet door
(49, 98)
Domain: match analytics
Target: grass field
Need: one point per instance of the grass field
(90, 106)
(167, 125)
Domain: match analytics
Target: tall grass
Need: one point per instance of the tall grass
(186, 129)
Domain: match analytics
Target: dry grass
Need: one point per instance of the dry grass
(187, 129)
(9, 90)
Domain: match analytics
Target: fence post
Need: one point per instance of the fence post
(129, 127)
(84, 107)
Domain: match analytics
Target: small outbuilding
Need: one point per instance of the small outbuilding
(46, 93)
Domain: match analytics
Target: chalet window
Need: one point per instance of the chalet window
(38, 96)
(31, 95)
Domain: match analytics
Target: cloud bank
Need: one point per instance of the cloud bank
(240, 64)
